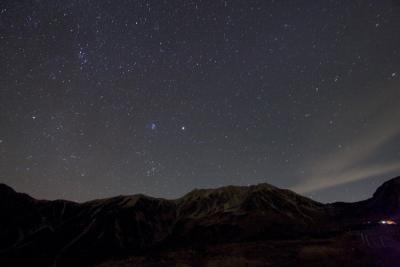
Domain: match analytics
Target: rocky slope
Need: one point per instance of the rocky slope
(62, 233)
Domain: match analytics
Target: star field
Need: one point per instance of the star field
(102, 98)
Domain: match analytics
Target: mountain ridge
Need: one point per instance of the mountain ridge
(66, 233)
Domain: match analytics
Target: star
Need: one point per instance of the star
(152, 126)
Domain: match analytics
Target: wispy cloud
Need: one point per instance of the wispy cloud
(323, 181)
(350, 163)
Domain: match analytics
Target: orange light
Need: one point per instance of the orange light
(390, 222)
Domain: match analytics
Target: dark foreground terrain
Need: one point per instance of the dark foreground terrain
(230, 226)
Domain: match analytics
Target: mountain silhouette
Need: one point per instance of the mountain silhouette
(258, 225)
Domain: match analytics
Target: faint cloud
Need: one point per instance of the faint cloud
(351, 162)
(347, 176)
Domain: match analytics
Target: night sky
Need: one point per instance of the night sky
(101, 98)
